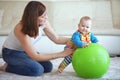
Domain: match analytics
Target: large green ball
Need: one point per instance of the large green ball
(91, 62)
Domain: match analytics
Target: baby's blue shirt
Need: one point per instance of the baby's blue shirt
(76, 39)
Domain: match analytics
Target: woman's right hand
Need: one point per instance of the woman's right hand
(67, 52)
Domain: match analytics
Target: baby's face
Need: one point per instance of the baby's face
(84, 26)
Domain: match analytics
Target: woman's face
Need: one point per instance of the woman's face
(84, 26)
(42, 19)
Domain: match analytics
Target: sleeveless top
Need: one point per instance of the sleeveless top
(13, 43)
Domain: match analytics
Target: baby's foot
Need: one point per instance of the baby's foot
(59, 71)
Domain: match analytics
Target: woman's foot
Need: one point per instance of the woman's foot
(3, 67)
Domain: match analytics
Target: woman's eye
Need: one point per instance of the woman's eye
(42, 16)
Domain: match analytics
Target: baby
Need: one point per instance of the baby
(80, 39)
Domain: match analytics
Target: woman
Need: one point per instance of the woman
(18, 51)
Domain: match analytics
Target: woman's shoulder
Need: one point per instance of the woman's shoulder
(17, 29)
(18, 26)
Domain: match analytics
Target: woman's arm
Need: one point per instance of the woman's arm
(31, 51)
(52, 35)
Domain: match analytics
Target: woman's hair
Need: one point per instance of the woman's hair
(32, 11)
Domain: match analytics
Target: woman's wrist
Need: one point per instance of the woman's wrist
(62, 54)
(58, 55)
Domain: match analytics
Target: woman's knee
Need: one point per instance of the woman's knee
(48, 66)
(37, 70)
(49, 69)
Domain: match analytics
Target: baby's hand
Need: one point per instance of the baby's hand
(84, 46)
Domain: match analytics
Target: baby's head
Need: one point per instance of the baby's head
(84, 25)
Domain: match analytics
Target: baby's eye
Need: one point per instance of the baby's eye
(87, 26)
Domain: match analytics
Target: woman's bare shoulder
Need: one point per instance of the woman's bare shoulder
(17, 29)
(18, 26)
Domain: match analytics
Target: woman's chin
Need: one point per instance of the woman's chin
(41, 24)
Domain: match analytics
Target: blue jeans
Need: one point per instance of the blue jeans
(20, 63)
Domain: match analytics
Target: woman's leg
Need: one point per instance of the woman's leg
(19, 63)
(48, 66)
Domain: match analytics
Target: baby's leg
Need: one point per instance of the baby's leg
(67, 60)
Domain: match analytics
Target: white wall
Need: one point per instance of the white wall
(115, 6)
(66, 14)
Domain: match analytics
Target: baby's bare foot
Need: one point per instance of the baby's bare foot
(3, 67)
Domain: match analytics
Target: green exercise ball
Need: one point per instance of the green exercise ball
(91, 62)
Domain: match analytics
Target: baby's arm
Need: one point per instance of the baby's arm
(76, 38)
(94, 38)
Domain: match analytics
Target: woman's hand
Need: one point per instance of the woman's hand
(67, 52)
